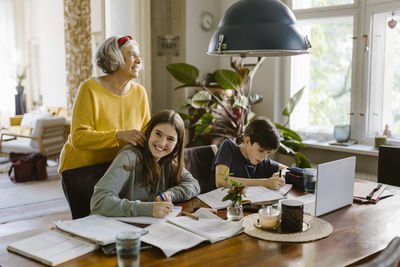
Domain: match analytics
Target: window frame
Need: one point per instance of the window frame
(361, 11)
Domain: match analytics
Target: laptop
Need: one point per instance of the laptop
(334, 188)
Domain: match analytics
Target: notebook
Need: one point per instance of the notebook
(334, 188)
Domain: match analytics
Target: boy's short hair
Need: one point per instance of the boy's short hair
(262, 131)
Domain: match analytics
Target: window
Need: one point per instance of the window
(303, 4)
(384, 101)
(352, 73)
(8, 60)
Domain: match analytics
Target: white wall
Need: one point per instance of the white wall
(121, 18)
(45, 28)
(197, 39)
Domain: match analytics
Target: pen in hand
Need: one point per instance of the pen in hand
(161, 195)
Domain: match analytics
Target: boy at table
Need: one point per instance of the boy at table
(248, 163)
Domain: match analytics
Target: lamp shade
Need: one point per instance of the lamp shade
(258, 28)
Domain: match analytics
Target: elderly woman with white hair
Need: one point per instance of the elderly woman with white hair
(109, 111)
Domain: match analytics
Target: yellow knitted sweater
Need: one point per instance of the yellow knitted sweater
(97, 115)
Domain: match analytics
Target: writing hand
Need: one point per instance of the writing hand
(275, 182)
(166, 196)
(133, 137)
(162, 209)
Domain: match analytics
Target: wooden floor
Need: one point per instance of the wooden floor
(46, 197)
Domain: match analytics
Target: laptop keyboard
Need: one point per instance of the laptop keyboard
(309, 203)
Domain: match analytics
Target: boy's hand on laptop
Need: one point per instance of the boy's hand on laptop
(275, 182)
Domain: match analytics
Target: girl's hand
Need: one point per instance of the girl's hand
(275, 182)
(133, 137)
(166, 196)
(162, 209)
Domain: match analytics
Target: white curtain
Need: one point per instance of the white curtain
(8, 67)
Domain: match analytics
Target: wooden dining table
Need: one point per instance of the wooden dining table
(360, 232)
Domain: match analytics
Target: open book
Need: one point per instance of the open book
(256, 194)
(184, 232)
(71, 239)
(149, 220)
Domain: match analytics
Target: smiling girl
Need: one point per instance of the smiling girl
(131, 184)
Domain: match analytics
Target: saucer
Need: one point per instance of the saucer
(278, 230)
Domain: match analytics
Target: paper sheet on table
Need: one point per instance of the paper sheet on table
(170, 238)
(149, 220)
(284, 189)
(52, 247)
(96, 228)
(256, 194)
(184, 232)
(214, 229)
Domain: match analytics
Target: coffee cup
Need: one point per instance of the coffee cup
(292, 215)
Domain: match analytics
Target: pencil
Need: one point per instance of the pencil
(190, 215)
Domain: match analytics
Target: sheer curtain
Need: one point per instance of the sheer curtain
(7, 61)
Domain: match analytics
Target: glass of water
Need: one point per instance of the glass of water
(128, 249)
(310, 178)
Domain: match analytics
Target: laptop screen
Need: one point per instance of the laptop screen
(335, 185)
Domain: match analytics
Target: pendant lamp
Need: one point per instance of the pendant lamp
(258, 28)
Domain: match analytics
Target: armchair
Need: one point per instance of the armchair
(46, 137)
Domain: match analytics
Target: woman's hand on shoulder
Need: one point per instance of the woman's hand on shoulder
(162, 209)
(133, 137)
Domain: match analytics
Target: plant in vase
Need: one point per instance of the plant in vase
(20, 78)
(235, 192)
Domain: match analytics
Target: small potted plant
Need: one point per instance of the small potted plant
(235, 193)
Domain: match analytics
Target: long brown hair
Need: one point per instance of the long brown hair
(150, 174)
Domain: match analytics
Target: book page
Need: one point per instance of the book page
(260, 194)
(256, 194)
(170, 238)
(214, 198)
(149, 220)
(52, 247)
(96, 228)
(284, 189)
(214, 229)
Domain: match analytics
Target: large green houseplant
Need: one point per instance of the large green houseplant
(224, 110)
(221, 110)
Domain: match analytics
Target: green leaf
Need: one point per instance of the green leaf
(295, 145)
(201, 99)
(287, 133)
(204, 124)
(293, 102)
(184, 73)
(185, 116)
(241, 101)
(301, 161)
(285, 150)
(228, 79)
